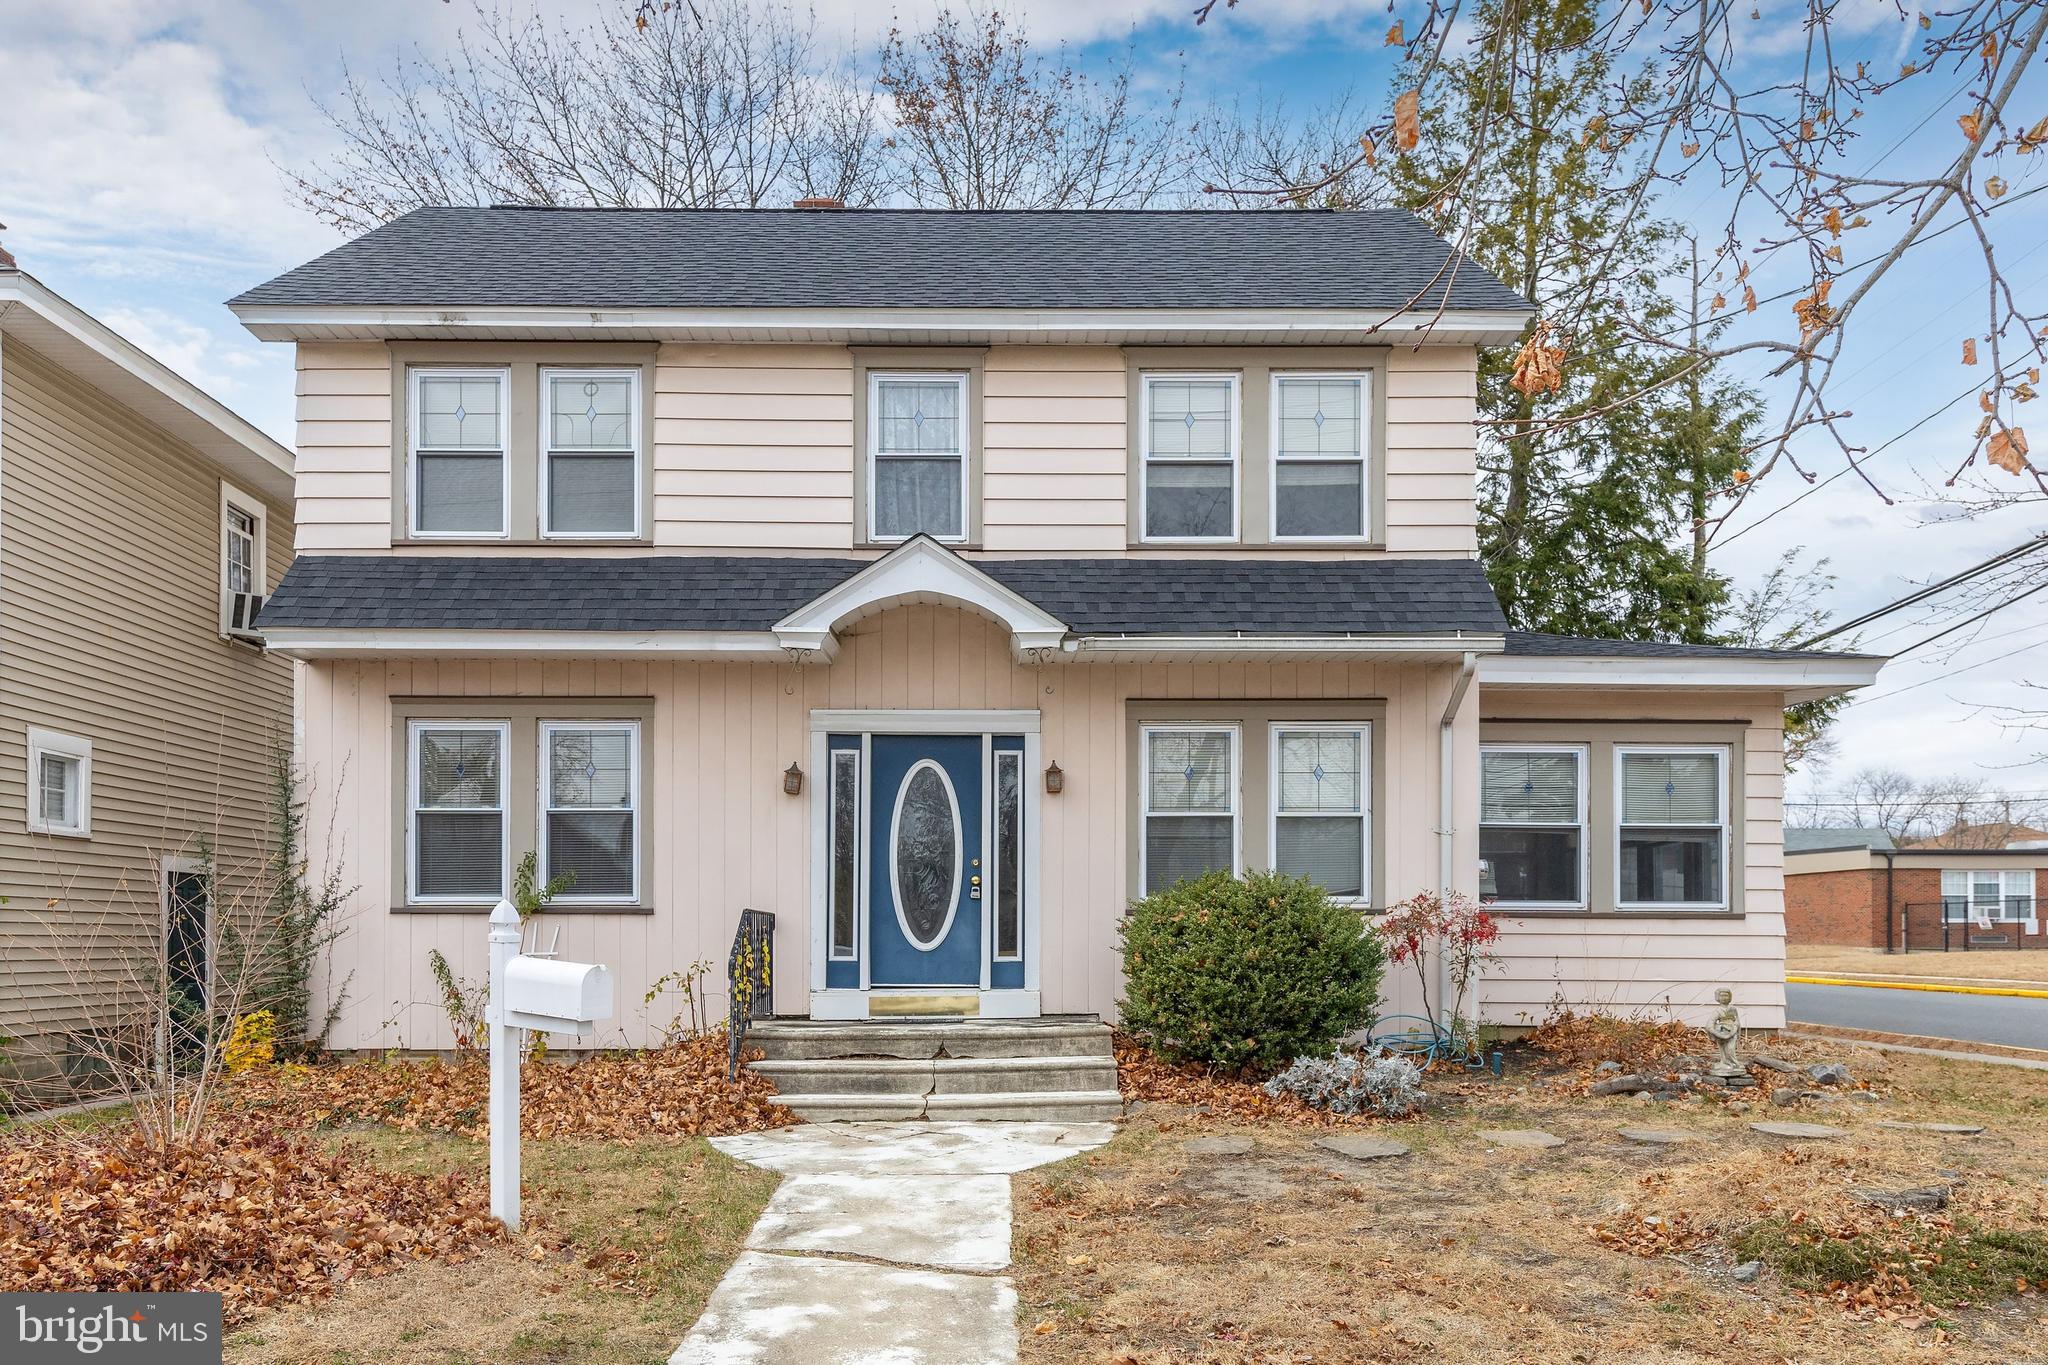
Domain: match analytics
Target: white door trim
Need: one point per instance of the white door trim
(925, 722)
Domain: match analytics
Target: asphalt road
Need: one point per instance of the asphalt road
(2010, 1020)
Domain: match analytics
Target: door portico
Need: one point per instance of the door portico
(924, 864)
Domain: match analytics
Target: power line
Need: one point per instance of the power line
(1974, 618)
(1945, 675)
(1959, 577)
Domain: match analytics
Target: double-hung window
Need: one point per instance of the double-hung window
(1532, 825)
(1190, 811)
(1319, 456)
(241, 560)
(458, 480)
(1320, 810)
(590, 453)
(1987, 894)
(60, 783)
(1673, 836)
(1190, 435)
(917, 456)
(456, 810)
(590, 809)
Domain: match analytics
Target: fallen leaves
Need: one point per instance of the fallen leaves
(680, 1091)
(258, 1215)
(1143, 1076)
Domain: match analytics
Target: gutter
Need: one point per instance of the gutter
(1446, 806)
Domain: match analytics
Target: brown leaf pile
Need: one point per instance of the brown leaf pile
(1573, 1040)
(680, 1091)
(1143, 1076)
(260, 1216)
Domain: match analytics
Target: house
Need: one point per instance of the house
(141, 523)
(1984, 834)
(938, 582)
(1859, 888)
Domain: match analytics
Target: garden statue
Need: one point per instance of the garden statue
(1724, 1029)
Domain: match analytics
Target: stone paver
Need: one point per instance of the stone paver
(1520, 1137)
(1217, 1146)
(1802, 1131)
(1361, 1148)
(925, 1207)
(1663, 1137)
(1949, 1129)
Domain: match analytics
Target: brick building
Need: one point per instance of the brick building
(1857, 888)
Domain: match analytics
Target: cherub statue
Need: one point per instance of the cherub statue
(1724, 1029)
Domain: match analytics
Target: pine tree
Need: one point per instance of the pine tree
(1589, 492)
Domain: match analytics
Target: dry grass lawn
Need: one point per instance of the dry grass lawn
(1145, 1254)
(624, 1243)
(2024, 965)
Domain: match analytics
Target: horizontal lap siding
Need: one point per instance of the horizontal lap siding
(753, 447)
(1629, 964)
(1432, 399)
(725, 837)
(344, 446)
(1054, 449)
(109, 605)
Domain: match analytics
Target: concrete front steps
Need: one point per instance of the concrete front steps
(1057, 1069)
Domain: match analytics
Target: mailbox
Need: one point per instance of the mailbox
(556, 997)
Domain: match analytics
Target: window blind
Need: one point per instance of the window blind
(1529, 789)
(1670, 789)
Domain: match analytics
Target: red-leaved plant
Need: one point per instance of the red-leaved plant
(1454, 926)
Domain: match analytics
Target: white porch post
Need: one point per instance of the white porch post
(504, 1111)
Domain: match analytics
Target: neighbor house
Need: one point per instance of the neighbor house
(1859, 888)
(141, 523)
(938, 582)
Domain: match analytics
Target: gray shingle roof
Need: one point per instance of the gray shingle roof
(1523, 642)
(697, 592)
(1823, 840)
(889, 258)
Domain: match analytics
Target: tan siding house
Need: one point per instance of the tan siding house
(939, 582)
(135, 733)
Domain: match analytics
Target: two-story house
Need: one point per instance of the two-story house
(941, 581)
(141, 523)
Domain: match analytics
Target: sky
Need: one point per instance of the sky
(143, 145)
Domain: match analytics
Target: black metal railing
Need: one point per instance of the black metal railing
(749, 981)
(1954, 920)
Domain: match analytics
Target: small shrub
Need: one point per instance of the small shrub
(251, 1044)
(1347, 1083)
(1247, 975)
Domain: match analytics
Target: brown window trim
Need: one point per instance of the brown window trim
(968, 360)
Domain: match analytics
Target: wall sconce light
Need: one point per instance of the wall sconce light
(793, 781)
(1055, 780)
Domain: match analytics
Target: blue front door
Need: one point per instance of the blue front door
(925, 874)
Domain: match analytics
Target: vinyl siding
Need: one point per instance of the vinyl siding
(753, 450)
(109, 579)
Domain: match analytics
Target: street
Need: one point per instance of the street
(2008, 1020)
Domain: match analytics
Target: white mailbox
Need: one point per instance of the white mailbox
(557, 997)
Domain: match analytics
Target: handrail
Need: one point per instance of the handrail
(749, 982)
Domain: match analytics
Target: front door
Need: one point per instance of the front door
(925, 873)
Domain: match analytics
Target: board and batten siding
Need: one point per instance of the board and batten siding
(725, 837)
(753, 450)
(110, 536)
(1660, 966)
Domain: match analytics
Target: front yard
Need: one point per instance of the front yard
(1978, 964)
(1602, 1249)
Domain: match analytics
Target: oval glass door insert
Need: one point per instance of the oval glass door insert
(924, 854)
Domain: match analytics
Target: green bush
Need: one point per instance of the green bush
(1247, 975)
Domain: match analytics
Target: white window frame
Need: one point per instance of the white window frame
(544, 804)
(1720, 754)
(1274, 815)
(413, 728)
(1365, 452)
(233, 499)
(1235, 788)
(850, 952)
(2007, 878)
(48, 743)
(957, 378)
(545, 445)
(1146, 460)
(413, 377)
(1581, 755)
(996, 885)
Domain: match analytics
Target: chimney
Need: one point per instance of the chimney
(820, 202)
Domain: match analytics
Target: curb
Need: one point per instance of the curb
(1946, 1054)
(1917, 986)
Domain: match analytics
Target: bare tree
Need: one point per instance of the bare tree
(1798, 182)
(1944, 812)
(1249, 152)
(713, 104)
(986, 121)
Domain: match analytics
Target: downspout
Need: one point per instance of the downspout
(1891, 901)
(1446, 812)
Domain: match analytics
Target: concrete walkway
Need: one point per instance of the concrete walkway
(884, 1244)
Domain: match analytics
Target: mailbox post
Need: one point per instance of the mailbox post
(529, 993)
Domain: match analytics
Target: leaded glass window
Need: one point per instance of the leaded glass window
(917, 438)
(590, 459)
(458, 810)
(1320, 807)
(1190, 803)
(590, 815)
(458, 452)
(1319, 456)
(1190, 457)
